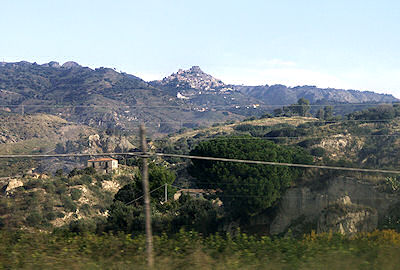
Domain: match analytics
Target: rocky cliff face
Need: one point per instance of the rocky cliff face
(344, 205)
(346, 217)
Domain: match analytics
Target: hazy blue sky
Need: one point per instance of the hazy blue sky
(347, 44)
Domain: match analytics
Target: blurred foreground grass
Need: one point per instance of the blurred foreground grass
(189, 250)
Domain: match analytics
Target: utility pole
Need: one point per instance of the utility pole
(147, 213)
(166, 192)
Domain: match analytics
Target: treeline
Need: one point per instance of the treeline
(303, 108)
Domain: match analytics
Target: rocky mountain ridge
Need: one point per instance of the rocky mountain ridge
(104, 98)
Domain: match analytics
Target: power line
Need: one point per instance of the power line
(140, 154)
(277, 163)
(220, 193)
(234, 106)
(331, 136)
(243, 122)
(66, 155)
(140, 197)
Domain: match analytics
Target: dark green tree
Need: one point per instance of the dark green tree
(302, 108)
(328, 113)
(195, 214)
(158, 177)
(320, 114)
(246, 189)
(127, 218)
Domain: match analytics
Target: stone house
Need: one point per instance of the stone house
(103, 165)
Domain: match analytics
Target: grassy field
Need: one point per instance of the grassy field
(188, 250)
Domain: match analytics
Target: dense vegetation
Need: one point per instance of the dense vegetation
(246, 189)
(189, 250)
(53, 201)
(89, 225)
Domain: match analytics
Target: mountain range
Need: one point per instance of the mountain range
(105, 98)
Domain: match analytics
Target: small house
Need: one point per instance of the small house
(103, 165)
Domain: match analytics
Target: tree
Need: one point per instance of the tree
(302, 108)
(195, 214)
(246, 189)
(158, 177)
(127, 218)
(328, 112)
(320, 114)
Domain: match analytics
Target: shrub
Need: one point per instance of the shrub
(318, 151)
(34, 219)
(76, 194)
(59, 173)
(49, 187)
(86, 179)
(33, 183)
(309, 142)
(89, 171)
(74, 172)
(68, 203)
(60, 186)
(82, 226)
(50, 216)
(85, 209)
(59, 214)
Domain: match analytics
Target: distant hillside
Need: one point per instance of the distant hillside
(281, 94)
(104, 98)
(49, 134)
(100, 98)
(196, 82)
(359, 141)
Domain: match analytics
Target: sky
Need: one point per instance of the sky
(352, 44)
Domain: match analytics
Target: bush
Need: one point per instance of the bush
(34, 219)
(33, 183)
(60, 186)
(59, 173)
(103, 177)
(68, 203)
(318, 151)
(82, 226)
(86, 209)
(49, 187)
(83, 180)
(309, 142)
(76, 194)
(50, 216)
(74, 172)
(89, 171)
(195, 214)
(59, 214)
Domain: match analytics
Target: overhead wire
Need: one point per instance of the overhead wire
(247, 106)
(222, 195)
(259, 162)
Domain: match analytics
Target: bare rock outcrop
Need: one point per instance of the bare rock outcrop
(309, 204)
(347, 218)
(13, 184)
